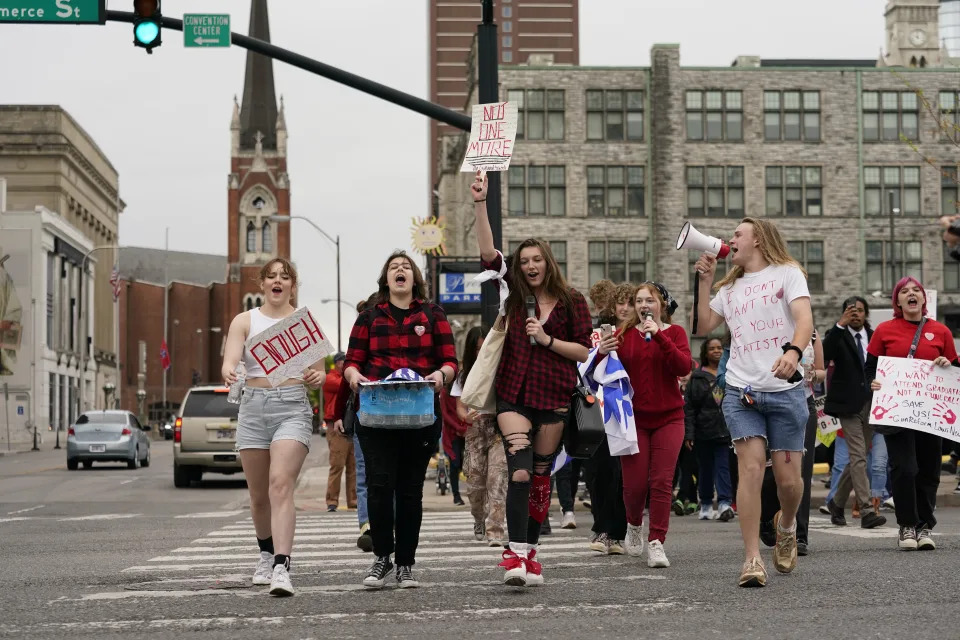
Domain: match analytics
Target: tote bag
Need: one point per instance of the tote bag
(479, 389)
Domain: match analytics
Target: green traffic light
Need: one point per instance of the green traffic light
(146, 32)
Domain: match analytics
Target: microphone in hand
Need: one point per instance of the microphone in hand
(532, 313)
(647, 335)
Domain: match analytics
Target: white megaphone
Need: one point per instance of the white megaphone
(692, 239)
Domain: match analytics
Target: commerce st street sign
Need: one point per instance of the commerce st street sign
(53, 11)
(206, 30)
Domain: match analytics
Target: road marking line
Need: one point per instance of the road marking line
(211, 514)
(102, 516)
(39, 506)
(129, 481)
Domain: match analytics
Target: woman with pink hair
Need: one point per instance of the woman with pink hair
(914, 455)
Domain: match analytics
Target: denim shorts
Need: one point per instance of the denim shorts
(537, 417)
(779, 417)
(268, 415)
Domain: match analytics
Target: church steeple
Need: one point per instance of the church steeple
(258, 112)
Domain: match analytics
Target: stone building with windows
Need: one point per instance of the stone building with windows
(849, 157)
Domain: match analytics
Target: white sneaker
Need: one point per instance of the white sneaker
(656, 557)
(569, 521)
(634, 541)
(706, 513)
(264, 571)
(281, 585)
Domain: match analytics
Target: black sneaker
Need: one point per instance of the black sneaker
(925, 539)
(768, 535)
(365, 541)
(802, 549)
(405, 579)
(824, 509)
(545, 528)
(870, 520)
(907, 539)
(836, 514)
(378, 573)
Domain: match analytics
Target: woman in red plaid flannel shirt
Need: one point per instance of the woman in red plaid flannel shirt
(534, 383)
(401, 330)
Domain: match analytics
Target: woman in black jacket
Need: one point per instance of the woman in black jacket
(706, 427)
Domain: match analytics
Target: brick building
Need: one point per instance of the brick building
(544, 31)
(205, 292)
(814, 144)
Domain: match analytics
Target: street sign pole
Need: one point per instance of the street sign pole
(206, 30)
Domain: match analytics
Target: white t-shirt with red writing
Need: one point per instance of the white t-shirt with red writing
(756, 309)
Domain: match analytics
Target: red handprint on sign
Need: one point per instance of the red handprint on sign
(885, 368)
(944, 413)
(883, 407)
(922, 367)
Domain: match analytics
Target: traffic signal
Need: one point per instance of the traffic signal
(146, 24)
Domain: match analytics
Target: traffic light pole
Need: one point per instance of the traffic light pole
(405, 100)
(488, 81)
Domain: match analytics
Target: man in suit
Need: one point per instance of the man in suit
(848, 398)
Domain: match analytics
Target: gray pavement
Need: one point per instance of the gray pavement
(112, 552)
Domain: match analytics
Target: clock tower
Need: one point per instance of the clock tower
(913, 34)
(258, 185)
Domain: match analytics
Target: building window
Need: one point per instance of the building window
(541, 113)
(617, 260)
(791, 115)
(794, 191)
(536, 190)
(51, 279)
(951, 272)
(259, 203)
(614, 115)
(507, 12)
(251, 237)
(949, 116)
(615, 191)
(809, 253)
(507, 26)
(507, 42)
(949, 191)
(715, 115)
(715, 191)
(557, 247)
(889, 114)
(884, 270)
(267, 238)
(507, 56)
(902, 182)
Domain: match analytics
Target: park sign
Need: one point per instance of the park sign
(206, 30)
(53, 11)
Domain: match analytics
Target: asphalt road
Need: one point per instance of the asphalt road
(111, 552)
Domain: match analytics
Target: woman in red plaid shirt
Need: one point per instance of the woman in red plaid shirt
(401, 330)
(534, 383)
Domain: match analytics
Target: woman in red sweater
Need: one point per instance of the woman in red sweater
(654, 364)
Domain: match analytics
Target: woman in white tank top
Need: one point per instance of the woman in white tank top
(273, 429)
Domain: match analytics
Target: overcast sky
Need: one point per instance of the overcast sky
(358, 166)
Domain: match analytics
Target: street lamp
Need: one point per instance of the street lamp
(83, 325)
(894, 210)
(141, 396)
(336, 242)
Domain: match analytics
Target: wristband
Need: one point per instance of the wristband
(443, 375)
(789, 347)
(550, 344)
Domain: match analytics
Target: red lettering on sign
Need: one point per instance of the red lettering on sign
(313, 329)
(263, 360)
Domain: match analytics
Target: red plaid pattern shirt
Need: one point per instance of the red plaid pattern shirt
(533, 376)
(379, 345)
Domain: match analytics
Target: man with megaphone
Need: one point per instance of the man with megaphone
(766, 304)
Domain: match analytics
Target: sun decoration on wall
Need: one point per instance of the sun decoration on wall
(428, 236)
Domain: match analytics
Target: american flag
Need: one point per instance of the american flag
(164, 355)
(115, 281)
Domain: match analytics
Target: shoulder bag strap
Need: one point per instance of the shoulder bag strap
(916, 339)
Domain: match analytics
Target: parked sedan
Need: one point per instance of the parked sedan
(108, 436)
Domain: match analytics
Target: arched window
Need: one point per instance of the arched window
(251, 237)
(248, 303)
(923, 62)
(267, 238)
(259, 301)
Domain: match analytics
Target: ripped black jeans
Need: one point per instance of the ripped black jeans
(532, 451)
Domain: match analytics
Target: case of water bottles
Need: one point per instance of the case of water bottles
(396, 404)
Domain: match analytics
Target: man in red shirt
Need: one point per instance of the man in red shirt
(341, 447)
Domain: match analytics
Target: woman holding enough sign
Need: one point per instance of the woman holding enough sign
(273, 429)
(914, 455)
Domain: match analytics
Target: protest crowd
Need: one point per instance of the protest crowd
(555, 395)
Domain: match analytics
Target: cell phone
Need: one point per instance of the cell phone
(606, 330)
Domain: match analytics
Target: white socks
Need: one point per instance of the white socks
(519, 548)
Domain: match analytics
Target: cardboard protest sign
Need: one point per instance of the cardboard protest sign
(289, 347)
(917, 395)
(492, 134)
(825, 424)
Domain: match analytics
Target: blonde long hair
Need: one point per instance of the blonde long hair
(771, 245)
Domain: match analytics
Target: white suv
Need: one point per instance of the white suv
(205, 435)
